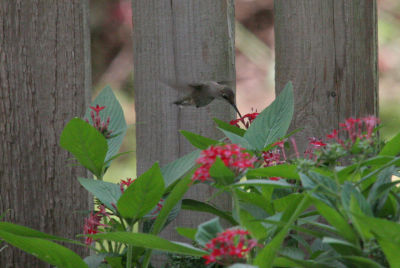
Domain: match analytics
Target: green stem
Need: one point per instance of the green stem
(236, 205)
(130, 248)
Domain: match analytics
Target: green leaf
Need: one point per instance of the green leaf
(392, 147)
(267, 255)
(236, 139)
(327, 190)
(284, 171)
(251, 224)
(341, 246)
(336, 220)
(45, 250)
(197, 140)
(176, 169)
(228, 127)
(255, 199)
(349, 192)
(273, 122)
(391, 251)
(207, 231)
(359, 261)
(241, 265)
(221, 173)
(187, 232)
(173, 198)
(117, 120)
(195, 205)
(108, 193)
(143, 194)
(150, 241)
(20, 230)
(87, 144)
(265, 182)
(114, 262)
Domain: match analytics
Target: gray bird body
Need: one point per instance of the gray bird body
(200, 94)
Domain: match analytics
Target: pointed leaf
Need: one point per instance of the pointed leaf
(273, 122)
(207, 231)
(117, 120)
(150, 241)
(86, 143)
(143, 194)
(228, 127)
(197, 140)
(45, 250)
(108, 193)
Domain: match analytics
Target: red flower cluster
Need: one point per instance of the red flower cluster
(356, 128)
(229, 247)
(250, 118)
(125, 184)
(273, 157)
(232, 155)
(102, 127)
(93, 222)
(314, 144)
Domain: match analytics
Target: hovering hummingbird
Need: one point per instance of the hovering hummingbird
(203, 93)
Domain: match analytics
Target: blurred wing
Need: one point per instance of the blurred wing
(182, 88)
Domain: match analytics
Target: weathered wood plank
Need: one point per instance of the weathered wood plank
(329, 50)
(44, 82)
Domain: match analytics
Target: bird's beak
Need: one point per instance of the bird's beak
(236, 109)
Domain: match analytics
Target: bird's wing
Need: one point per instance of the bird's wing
(180, 87)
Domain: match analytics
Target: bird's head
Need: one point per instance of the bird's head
(228, 95)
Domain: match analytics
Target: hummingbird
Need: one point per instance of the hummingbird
(201, 94)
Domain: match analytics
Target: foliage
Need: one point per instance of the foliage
(336, 205)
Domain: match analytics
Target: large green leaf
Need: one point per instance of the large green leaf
(86, 143)
(285, 171)
(176, 169)
(150, 241)
(392, 147)
(108, 193)
(196, 205)
(143, 194)
(266, 256)
(238, 140)
(173, 198)
(228, 127)
(187, 232)
(117, 120)
(336, 220)
(272, 123)
(207, 231)
(20, 230)
(45, 250)
(197, 140)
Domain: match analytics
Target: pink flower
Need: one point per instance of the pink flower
(93, 222)
(97, 108)
(125, 184)
(250, 118)
(233, 156)
(229, 247)
(101, 126)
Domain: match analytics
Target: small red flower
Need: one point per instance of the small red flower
(229, 247)
(246, 123)
(233, 156)
(93, 222)
(125, 184)
(97, 108)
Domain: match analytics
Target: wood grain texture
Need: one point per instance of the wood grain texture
(183, 41)
(44, 82)
(329, 50)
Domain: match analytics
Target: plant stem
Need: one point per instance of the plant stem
(130, 248)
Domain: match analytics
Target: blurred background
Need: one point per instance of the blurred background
(111, 44)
